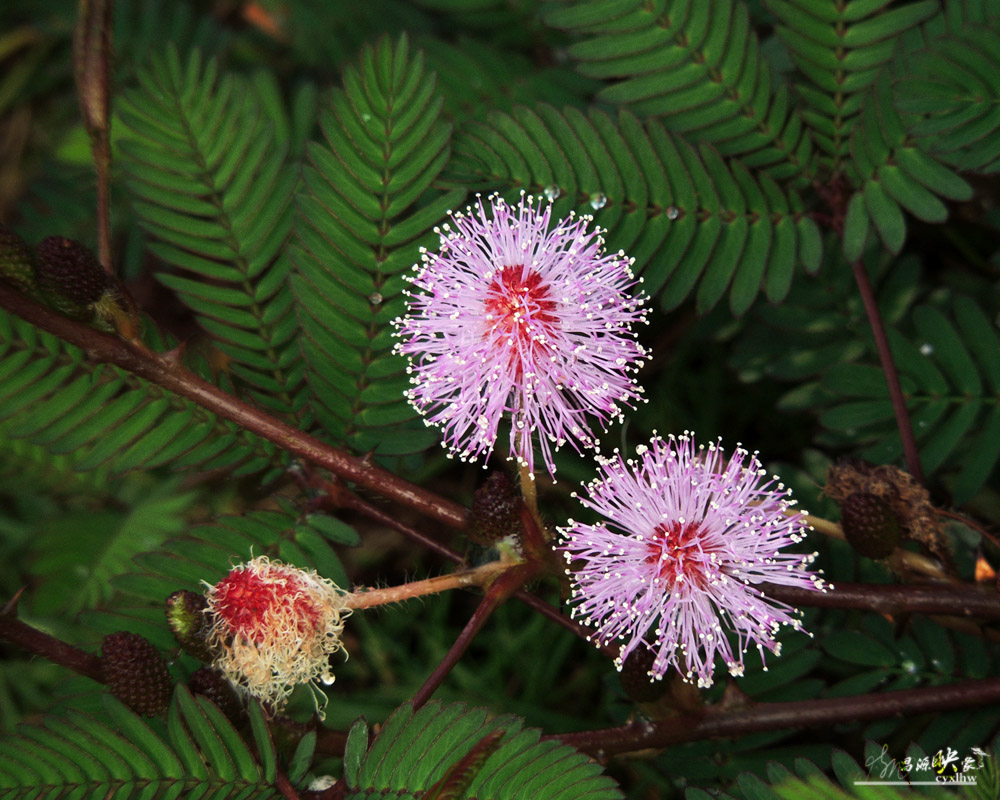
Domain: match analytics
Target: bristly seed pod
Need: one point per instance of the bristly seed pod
(909, 502)
(870, 525)
(495, 507)
(70, 271)
(136, 673)
(190, 626)
(17, 265)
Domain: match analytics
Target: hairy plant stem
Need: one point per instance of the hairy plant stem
(500, 590)
(166, 371)
(889, 369)
(339, 496)
(483, 576)
(716, 722)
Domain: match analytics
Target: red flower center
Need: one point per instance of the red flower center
(676, 551)
(520, 305)
(251, 604)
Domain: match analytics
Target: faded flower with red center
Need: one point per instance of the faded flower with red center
(690, 536)
(515, 318)
(275, 626)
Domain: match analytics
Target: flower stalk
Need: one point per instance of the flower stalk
(481, 577)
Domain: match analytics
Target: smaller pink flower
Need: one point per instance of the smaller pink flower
(274, 627)
(690, 536)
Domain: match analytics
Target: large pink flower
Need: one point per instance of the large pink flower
(691, 534)
(514, 318)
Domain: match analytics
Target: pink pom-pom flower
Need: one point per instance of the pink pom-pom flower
(518, 318)
(690, 536)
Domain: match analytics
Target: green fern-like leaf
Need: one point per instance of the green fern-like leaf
(950, 378)
(416, 749)
(954, 88)
(840, 49)
(210, 181)
(893, 174)
(475, 77)
(686, 216)
(698, 68)
(118, 754)
(365, 210)
(53, 397)
(78, 553)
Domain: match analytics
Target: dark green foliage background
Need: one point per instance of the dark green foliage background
(271, 189)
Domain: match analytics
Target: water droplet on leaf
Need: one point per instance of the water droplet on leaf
(551, 192)
(598, 201)
(926, 349)
(673, 212)
(375, 298)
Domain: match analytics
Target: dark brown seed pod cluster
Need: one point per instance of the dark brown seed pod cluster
(495, 510)
(136, 673)
(870, 524)
(894, 493)
(635, 680)
(213, 684)
(70, 275)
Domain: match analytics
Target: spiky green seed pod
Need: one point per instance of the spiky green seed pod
(635, 680)
(495, 507)
(187, 620)
(869, 524)
(17, 265)
(136, 673)
(213, 684)
(70, 276)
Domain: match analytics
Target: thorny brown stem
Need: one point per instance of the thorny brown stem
(46, 646)
(893, 599)
(756, 717)
(169, 374)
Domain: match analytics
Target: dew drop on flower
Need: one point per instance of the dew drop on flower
(673, 212)
(551, 192)
(598, 201)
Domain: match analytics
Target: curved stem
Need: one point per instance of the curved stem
(166, 372)
(889, 369)
(714, 722)
(501, 589)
